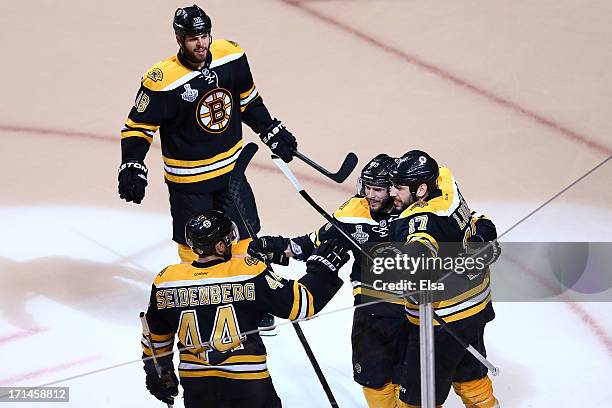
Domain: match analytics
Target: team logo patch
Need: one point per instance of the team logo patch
(249, 260)
(359, 235)
(206, 224)
(215, 110)
(189, 95)
(142, 101)
(155, 75)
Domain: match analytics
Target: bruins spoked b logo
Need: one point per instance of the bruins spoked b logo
(215, 110)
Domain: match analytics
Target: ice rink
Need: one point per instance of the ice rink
(513, 96)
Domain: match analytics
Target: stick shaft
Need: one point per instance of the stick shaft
(287, 171)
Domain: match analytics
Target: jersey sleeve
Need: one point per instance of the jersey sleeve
(291, 299)
(147, 114)
(304, 245)
(254, 112)
(162, 333)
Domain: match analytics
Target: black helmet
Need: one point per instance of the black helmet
(204, 230)
(191, 21)
(377, 172)
(415, 168)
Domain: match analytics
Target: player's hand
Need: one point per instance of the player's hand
(331, 255)
(279, 140)
(132, 181)
(269, 249)
(164, 388)
(488, 251)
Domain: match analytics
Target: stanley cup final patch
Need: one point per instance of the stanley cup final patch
(359, 235)
(189, 95)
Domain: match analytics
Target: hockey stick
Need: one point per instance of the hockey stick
(348, 165)
(240, 166)
(147, 333)
(289, 174)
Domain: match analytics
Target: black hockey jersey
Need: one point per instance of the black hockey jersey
(213, 307)
(364, 226)
(199, 115)
(444, 217)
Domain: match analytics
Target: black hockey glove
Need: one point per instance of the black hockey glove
(164, 388)
(279, 140)
(489, 251)
(331, 255)
(269, 249)
(132, 181)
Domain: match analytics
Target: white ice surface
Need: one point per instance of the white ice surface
(75, 285)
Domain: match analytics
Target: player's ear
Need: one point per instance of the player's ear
(421, 191)
(220, 248)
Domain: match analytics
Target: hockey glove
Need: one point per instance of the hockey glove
(269, 249)
(331, 255)
(489, 251)
(164, 388)
(279, 140)
(132, 181)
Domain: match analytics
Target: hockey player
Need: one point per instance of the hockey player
(198, 100)
(435, 212)
(213, 306)
(379, 328)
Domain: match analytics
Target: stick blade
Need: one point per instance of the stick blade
(244, 158)
(348, 165)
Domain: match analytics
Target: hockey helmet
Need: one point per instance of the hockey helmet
(204, 230)
(415, 168)
(376, 173)
(191, 20)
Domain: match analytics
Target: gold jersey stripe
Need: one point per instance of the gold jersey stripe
(129, 122)
(459, 298)
(225, 374)
(425, 237)
(295, 309)
(197, 163)
(387, 297)
(199, 177)
(158, 351)
(136, 133)
(161, 337)
(190, 358)
(458, 316)
(244, 95)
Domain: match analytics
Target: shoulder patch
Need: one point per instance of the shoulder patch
(164, 73)
(234, 43)
(249, 260)
(155, 74)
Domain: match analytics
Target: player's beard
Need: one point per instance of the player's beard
(193, 56)
(380, 205)
(400, 205)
